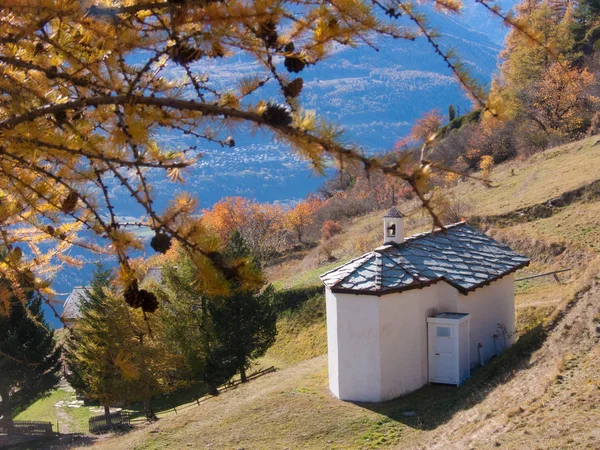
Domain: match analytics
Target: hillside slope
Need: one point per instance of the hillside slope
(547, 399)
(542, 393)
(516, 184)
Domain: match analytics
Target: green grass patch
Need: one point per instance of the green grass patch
(45, 409)
(306, 278)
(460, 122)
(301, 333)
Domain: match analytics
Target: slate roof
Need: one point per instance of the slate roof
(393, 213)
(153, 274)
(461, 255)
(73, 302)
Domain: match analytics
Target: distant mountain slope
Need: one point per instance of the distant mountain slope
(375, 95)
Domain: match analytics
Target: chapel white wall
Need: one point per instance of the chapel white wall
(377, 346)
(332, 341)
(354, 357)
(403, 321)
(489, 306)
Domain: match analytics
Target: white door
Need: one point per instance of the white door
(444, 357)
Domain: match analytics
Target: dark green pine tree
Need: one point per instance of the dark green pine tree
(94, 297)
(29, 357)
(451, 113)
(585, 15)
(245, 323)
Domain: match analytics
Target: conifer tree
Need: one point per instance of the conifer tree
(187, 323)
(585, 15)
(112, 356)
(216, 336)
(451, 113)
(29, 357)
(245, 322)
(526, 61)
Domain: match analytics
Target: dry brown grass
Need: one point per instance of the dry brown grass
(537, 179)
(548, 399)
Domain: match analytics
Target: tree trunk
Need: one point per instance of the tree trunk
(211, 386)
(6, 411)
(148, 410)
(107, 415)
(243, 376)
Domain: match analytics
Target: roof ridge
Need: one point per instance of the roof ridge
(418, 236)
(416, 277)
(378, 271)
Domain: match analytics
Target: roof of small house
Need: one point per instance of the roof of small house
(153, 274)
(393, 213)
(71, 308)
(459, 254)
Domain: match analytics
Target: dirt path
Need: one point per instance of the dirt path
(65, 422)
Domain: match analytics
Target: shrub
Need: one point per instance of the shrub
(455, 210)
(485, 165)
(364, 244)
(330, 229)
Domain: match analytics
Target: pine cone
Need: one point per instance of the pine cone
(26, 278)
(267, 32)
(50, 229)
(217, 50)
(182, 54)
(17, 253)
(149, 301)
(289, 47)
(60, 117)
(293, 88)
(132, 295)
(277, 115)
(230, 142)
(70, 202)
(294, 64)
(161, 242)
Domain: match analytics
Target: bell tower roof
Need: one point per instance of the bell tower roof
(393, 213)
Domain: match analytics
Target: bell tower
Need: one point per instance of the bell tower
(393, 227)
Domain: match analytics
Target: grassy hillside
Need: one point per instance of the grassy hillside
(515, 185)
(542, 393)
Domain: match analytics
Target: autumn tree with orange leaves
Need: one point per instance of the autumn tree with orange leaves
(426, 126)
(297, 219)
(261, 224)
(558, 101)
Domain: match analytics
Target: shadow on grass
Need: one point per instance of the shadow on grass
(433, 405)
(57, 441)
(169, 402)
(288, 301)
